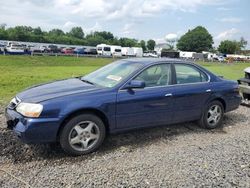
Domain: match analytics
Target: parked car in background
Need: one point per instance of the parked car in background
(38, 49)
(14, 48)
(221, 59)
(150, 54)
(146, 54)
(127, 94)
(244, 84)
(67, 50)
(79, 50)
(43, 48)
(90, 51)
(52, 49)
(218, 57)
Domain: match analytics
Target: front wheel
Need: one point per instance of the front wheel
(82, 134)
(212, 116)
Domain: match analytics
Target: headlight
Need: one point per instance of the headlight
(29, 109)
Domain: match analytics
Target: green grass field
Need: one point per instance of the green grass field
(19, 72)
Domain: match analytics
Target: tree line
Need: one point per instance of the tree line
(197, 39)
(75, 36)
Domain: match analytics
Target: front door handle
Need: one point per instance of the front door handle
(169, 95)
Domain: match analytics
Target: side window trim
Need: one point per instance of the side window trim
(193, 66)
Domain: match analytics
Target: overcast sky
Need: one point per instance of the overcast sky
(140, 19)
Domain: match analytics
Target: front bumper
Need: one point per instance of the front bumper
(32, 130)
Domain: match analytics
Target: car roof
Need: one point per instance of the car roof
(148, 61)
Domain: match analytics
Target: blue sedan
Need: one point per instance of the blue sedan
(127, 94)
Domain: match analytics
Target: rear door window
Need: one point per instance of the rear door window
(186, 74)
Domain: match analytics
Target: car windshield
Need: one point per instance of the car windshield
(112, 74)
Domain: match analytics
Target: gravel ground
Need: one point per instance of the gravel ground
(181, 155)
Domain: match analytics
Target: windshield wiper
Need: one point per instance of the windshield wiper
(86, 81)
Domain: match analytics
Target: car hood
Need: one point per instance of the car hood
(55, 89)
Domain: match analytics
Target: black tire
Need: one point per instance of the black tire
(204, 120)
(246, 96)
(65, 134)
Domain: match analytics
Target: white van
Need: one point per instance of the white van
(116, 51)
(127, 51)
(138, 52)
(103, 49)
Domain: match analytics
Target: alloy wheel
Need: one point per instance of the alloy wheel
(214, 115)
(84, 136)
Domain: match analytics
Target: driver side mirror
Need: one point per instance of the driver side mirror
(133, 84)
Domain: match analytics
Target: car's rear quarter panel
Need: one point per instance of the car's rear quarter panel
(227, 91)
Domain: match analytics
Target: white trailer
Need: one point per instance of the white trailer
(116, 51)
(186, 55)
(210, 56)
(138, 52)
(103, 49)
(127, 51)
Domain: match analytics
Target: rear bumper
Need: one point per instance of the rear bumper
(233, 103)
(32, 130)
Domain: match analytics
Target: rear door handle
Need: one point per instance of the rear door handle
(208, 90)
(169, 95)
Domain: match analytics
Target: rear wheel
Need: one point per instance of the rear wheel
(83, 134)
(212, 116)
